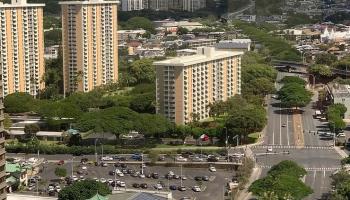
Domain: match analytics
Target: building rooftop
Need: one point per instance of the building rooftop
(233, 44)
(87, 2)
(340, 91)
(204, 54)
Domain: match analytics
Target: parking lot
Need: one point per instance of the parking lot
(210, 189)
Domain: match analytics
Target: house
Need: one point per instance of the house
(51, 52)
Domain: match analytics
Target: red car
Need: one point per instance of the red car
(61, 162)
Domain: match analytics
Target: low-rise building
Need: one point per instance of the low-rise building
(186, 52)
(234, 45)
(185, 86)
(150, 52)
(339, 93)
(172, 26)
(125, 35)
(194, 44)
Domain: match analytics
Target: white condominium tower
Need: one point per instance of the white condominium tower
(130, 5)
(22, 47)
(90, 44)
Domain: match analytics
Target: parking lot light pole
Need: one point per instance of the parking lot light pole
(95, 150)
(115, 178)
(141, 163)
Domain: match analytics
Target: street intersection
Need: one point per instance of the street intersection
(293, 138)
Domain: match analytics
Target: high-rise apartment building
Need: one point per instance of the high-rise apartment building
(187, 85)
(130, 5)
(159, 4)
(3, 184)
(90, 44)
(193, 5)
(22, 47)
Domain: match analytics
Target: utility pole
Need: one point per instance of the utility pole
(72, 165)
(181, 175)
(141, 163)
(95, 151)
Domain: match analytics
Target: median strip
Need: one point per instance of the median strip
(298, 130)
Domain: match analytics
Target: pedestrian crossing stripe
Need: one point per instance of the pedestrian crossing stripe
(291, 147)
(306, 168)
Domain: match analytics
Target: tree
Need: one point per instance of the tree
(249, 119)
(53, 37)
(143, 103)
(260, 87)
(18, 103)
(321, 70)
(294, 95)
(325, 59)
(142, 71)
(341, 183)
(31, 129)
(7, 121)
(83, 190)
(140, 22)
(283, 182)
(60, 172)
(182, 31)
(182, 131)
(335, 114)
(153, 125)
(293, 79)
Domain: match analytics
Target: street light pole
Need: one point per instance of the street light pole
(314, 81)
(115, 178)
(95, 151)
(72, 165)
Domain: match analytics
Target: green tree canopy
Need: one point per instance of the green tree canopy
(282, 180)
(325, 59)
(293, 79)
(335, 114)
(18, 103)
(182, 31)
(83, 190)
(140, 22)
(142, 71)
(60, 172)
(294, 95)
(321, 70)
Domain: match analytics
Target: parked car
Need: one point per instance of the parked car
(198, 178)
(181, 159)
(205, 178)
(182, 188)
(144, 185)
(172, 187)
(158, 186)
(155, 175)
(61, 162)
(212, 169)
(212, 159)
(122, 184)
(196, 188)
(136, 185)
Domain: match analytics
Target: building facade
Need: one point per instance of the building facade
(193, 5)
(3, 184)
(187, 85)
(130, 5)
(90, 44)
(22, 47)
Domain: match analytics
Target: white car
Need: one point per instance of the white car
(103, 180)
(341, 135)
(275, 96)
(58, 188)
(142, 176)
(158, 186)
(110, 181)
(212, 169)
(171, 173)
(269, 149)
(196, 188)
(107, 158)
(122, 184)
(120, 174)
(84, 168)
(75, 178)
(181, 159)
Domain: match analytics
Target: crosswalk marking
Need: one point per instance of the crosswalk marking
(291, 147)
(323, 169)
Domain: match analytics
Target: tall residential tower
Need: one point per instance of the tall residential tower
(22, 47)
(90, 44)
(187, 85)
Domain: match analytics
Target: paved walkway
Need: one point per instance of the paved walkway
(244, 194)
(341, 152)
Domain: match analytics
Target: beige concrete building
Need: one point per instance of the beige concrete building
(90, 44)
(193, 5)
(187, 85)
(22, 47)
(3, 184)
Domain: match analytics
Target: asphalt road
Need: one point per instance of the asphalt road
(317, 155)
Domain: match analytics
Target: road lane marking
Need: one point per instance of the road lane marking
(280, 125)
(314, 179)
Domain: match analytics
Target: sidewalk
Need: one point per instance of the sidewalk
(341, 152)
(244, 194)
